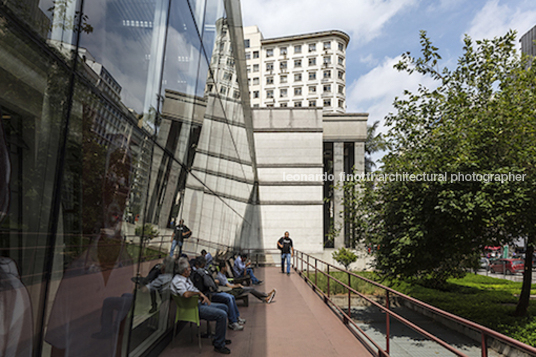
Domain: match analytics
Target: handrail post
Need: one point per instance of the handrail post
(387, 322)
(307, 266)
(484, 345)
(349, 296)
(302, 262)
(329, 276)
(315, 272)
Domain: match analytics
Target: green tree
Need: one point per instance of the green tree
(344, 256)
(476, 124)
(374, 143)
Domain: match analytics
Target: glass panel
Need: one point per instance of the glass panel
(34, 83)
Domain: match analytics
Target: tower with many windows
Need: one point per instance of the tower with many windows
(307, 70)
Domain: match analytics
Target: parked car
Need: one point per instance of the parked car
(507, 266)
(484, 263)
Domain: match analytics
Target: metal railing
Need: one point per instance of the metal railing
(485, 332)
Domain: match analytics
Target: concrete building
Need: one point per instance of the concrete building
(305, 141)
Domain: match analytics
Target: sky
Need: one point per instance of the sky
(381, 30)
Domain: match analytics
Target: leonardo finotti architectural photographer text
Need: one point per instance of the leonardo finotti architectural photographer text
(405, 176)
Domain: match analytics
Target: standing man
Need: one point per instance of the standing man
(287, 251)
(181, 285)
(180, 233)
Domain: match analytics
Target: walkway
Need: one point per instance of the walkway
(296, 323)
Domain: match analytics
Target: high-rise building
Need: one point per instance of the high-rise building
(307, 70)
(527, 42)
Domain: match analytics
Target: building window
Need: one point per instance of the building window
(246, 43)
(255, 105)
(327, 88)
(283, 51)
(223, 90)
(283, 105)
(297, 104)
(255, 68)
(297, 49)
(327, 102)
(340, 60)
(297, 91)
(209, 88)
(341, 103)
(327, 74)
(341, 89)
(297, 77)
(312, 89)
(312, 103)
(269, 66)
(312, 76)
(269, 80)
(248, 69)
(269, 93)
(327, 60)
(297, 63)
(283, 93)
(270, 52)
(248, 55)
(255, 94)
(312, 47)
(283, 79)
(327, 45)
(236, 94)
(227, 76)
(341, 46)
(312, 61)
(255, 54)
(256, 81)
(340, 74)
(283, 65)
(271, 105)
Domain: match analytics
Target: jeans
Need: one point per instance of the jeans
(173, 245)
(215, 312)
(285, 256)
(258, 294)
(249, 272)
(230, 301)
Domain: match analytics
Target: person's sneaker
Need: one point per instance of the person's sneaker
(224, 350)
(288, 274)
(236, 327)
(274, 291)
(271, 297)
(258, 282)
(241, 321)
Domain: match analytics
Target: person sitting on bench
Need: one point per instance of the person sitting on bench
(222, 280)
(241, 269)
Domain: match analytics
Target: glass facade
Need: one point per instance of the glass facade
(118, 118)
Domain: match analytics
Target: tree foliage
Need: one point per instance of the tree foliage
(374, 143)
(477, 123)
(344, 256)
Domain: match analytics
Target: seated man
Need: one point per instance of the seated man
(208, 257)
(241, 268)
(157, 281)
(181, 285)
(222, 280)
(204, 282)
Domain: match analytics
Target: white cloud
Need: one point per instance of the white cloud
(363, 20)
(495, 19)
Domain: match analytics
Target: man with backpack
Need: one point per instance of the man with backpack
(180, 233)
(287, 250)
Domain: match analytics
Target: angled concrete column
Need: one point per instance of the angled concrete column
(338, 172)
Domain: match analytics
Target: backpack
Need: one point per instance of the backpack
(203, 282)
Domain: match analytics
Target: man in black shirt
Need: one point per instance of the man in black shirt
(180, 233)
(287, 251)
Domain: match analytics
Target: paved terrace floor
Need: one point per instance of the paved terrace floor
(296, 323)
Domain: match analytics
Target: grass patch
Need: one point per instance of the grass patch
(488, 301)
